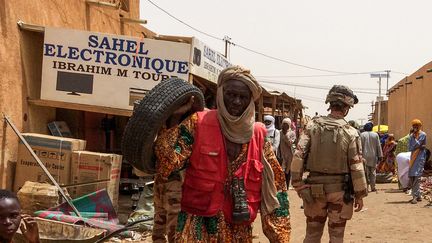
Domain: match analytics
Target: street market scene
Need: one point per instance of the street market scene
(203, 121)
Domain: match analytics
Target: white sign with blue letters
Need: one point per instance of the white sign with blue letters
(107, 70)
(206, 62)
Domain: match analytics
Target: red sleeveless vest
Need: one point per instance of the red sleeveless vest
(204, 191)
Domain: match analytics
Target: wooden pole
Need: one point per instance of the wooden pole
(260, 108)
(274, 105)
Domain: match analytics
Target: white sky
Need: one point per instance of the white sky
(340, 35)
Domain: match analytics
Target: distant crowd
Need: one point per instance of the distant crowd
(404, 159)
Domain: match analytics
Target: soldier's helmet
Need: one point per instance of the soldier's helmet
(341, 94)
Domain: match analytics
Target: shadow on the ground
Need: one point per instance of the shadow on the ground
(393, 191)
(397, 202)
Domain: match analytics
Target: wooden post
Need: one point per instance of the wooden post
(274, 105)
(87, 16)
(190, 78)
(260, 108)
(283, 109)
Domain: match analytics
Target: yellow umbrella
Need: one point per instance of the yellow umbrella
(383, 128)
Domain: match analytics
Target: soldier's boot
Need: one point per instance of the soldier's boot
(336, 231)
(314, 231)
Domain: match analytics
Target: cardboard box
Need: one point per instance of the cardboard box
(34, 196)
(54, 152)
(90, 167)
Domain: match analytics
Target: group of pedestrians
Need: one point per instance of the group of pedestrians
(382, 158)
(283, 142)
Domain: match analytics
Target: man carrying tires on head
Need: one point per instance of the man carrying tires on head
(231, 170)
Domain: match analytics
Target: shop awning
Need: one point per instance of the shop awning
(80, 107)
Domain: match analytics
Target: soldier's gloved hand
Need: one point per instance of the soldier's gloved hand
(358, 204)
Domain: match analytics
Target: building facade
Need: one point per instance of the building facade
(22, 24)
(410, 99)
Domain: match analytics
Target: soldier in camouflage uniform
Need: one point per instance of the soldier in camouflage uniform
(330, 150)
(167, 198)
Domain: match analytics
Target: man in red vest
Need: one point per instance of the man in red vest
(231, 170)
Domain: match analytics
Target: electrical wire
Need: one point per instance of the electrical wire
(181, 21)
(296, 64)
(312, 86)
(303, 76)
(320, 86)
(319, 75)
(254, 51)
(312, 98)
(406, 74)
(305, 97)
(321, 101)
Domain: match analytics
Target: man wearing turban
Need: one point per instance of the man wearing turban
(417, 147)
(272, 133)
(231, 171)
(286, 147)
(372, 153)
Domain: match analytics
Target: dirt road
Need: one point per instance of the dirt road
(387, 217)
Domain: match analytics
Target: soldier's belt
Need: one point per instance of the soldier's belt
(331, 179)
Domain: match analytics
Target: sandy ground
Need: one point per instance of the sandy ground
(387, 217)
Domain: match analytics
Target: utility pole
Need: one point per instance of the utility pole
(227, 40)
(379, 104)
(388, 75)
(379, 98)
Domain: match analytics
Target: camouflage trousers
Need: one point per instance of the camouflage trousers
(167, 198)
(330, 206)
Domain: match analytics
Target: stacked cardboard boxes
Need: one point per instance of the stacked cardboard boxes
(69, 164)
(54, 152)
(89, 167)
